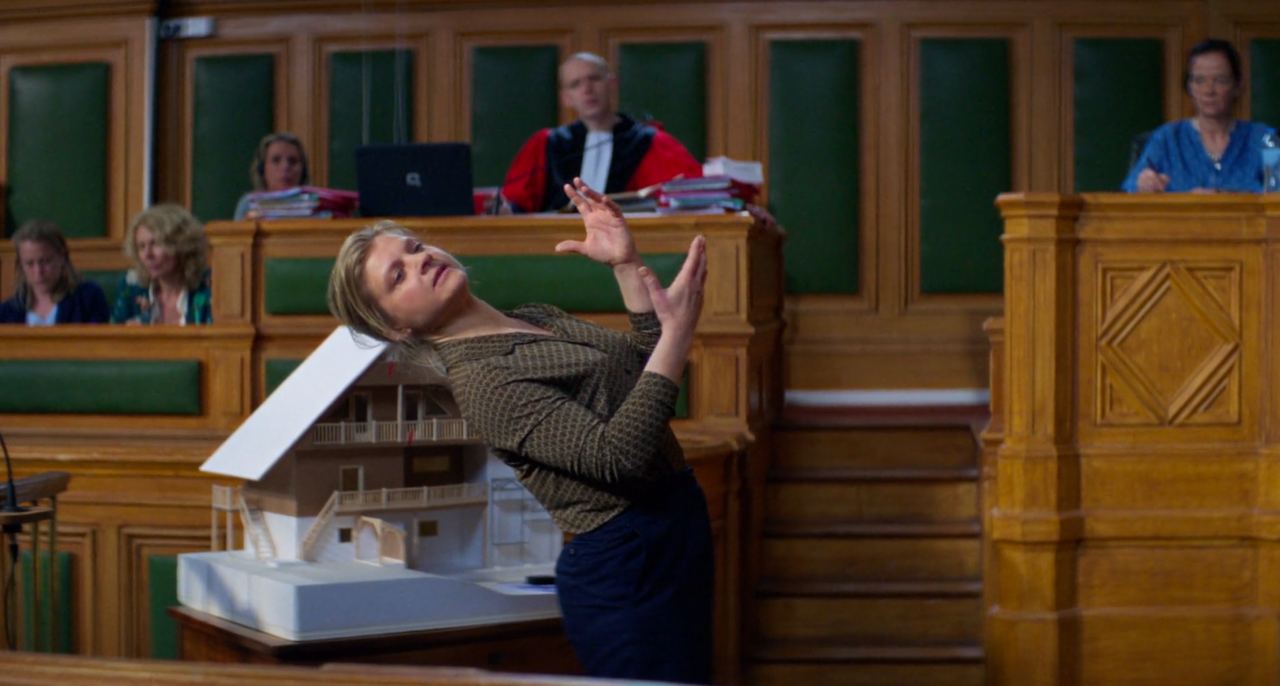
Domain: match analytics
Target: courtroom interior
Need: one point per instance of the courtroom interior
(964, 411)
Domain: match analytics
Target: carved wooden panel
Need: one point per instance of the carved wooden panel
(1145, 376)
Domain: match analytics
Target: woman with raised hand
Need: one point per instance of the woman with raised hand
(582, 414)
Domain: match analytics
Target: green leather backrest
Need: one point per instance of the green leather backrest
(162, 593)
(100, 386)
(234, 108)
(297, 286)
(1264, 88)
(277, 370)
(370, 101)
(1119, 94)
(667, 82)
(814, 137)
(965, 161)
(59, 596)
(57, 147)
(514, 93)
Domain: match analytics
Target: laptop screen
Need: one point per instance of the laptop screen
(414, 179)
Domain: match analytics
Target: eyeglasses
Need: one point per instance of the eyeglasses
(1202, 80)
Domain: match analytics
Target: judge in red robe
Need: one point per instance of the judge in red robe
(609, 150)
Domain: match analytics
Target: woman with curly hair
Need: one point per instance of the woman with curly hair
(169, 283)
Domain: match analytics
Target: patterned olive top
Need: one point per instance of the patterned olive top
(574, 414)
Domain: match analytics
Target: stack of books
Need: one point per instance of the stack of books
(303, 201)
(726, 185)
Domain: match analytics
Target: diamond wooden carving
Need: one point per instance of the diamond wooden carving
(1168, 344)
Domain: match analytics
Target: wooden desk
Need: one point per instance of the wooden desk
(537, 646)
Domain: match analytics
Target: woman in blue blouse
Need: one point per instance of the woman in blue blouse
(1212, 151)
(49, 289)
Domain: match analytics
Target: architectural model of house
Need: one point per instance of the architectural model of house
(368, 507)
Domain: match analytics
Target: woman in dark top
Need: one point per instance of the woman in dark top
(581, 413)
(49, 289)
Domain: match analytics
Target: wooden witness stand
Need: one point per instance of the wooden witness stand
(1131, 474)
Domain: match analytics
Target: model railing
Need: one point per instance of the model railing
(223, 498)
(420, 431)
(410, 498)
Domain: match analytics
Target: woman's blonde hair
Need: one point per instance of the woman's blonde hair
(179, 232)
(50, 234)
(351, 303)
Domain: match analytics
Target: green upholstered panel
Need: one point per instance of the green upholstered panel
(964, 162)
(813, 161)
(109, 279)
(682, 400)
(570, 282)
(296, 285)
(1264, 88)
(100, 386)
(47, 642)
(277, 370)
(667, 82)
(57, 147)
(1118, 94)
(233, 109)
(370, 101)
(162, 593)
(573, 283)
(513, 93)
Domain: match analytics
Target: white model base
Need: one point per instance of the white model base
(308, 600)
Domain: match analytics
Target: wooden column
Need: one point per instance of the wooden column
(1034, 525)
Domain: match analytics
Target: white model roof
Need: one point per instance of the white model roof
(290, 410)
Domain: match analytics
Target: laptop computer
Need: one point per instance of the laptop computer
(414, 179)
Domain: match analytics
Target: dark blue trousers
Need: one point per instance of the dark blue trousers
(636, 592)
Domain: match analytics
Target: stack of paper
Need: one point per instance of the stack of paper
(303, 201)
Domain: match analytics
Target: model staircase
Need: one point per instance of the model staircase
(256, 531)
(870, 561)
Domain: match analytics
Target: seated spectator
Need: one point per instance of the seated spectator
(49, 289)
(169, 283)
(1212, 151)
(279, 163)
(610, 151)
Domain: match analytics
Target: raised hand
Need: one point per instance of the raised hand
(608, 239)
(679, 305)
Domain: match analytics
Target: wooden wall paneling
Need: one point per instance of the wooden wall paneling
(465, 105)
(78, 541)
(713, 40)
(325, 47)
(1171, 36)
(278, 49)
(121, 43)
(138, 544)
(947, 293)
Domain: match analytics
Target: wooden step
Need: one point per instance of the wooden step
(875, 448)
(866, 673)
(839, 474)
(855, 558)
(819, 651)
(871, 621)
(962, 528)
(934, 588)
(893, 501)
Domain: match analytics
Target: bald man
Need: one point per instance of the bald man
(609, 150)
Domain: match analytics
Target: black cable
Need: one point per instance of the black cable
(12, 530)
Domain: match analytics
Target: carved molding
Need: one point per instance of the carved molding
(1146, 376)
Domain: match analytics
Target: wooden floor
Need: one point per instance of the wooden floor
(871, 567)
